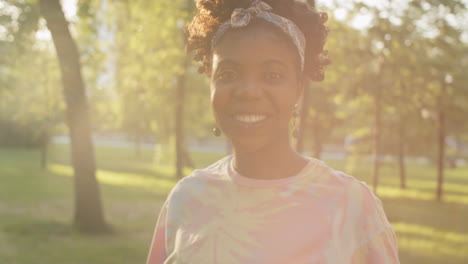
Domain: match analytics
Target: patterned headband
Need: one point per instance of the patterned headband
(242, 17)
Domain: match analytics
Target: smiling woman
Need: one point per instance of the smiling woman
(266, 203)
(255, 86)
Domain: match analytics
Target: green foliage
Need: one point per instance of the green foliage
(30, 107)
(408, 50)
(133, 52)
(95, 45)
(30, 97)
(25, 134)
(149, 44)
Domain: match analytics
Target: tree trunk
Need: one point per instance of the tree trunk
(377, 132)
(317, 136)
(441, 141)
(44, 155)
(303, 120)
(188, 162)
(179, 122)
(137, 145)
(402, 141)
(401, 153)
(305, 107)
(88, 209)
(180, 148)
(458, 143)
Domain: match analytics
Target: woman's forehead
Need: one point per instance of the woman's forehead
(259, 32)
(258, 43)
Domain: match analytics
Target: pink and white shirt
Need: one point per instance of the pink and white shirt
(319, 216)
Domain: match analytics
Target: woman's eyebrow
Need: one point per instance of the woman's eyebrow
(275, 62)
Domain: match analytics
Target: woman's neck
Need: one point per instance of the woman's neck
(273, 162)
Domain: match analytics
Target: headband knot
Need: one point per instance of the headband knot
(241, 17)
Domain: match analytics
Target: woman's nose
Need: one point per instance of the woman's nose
(249, 89)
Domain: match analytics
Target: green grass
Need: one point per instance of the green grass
(36, 208)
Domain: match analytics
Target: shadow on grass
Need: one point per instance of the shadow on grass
(22, 227)
(35, 240)
(420, 181)
(124, 160)
(427, 242)
(154, 184)
(429, 231)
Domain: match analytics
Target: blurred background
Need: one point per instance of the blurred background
(101, 112)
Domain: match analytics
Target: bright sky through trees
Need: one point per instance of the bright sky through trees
(338, 7)
(69, 8)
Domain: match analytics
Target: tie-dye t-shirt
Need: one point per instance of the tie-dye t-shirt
(320, 215)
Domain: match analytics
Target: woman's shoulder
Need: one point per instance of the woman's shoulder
(360, 214)
(326, 175)
(215, 171)
(356, 191)
(200, 179)
(354, 194)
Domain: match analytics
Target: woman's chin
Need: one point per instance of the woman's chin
(249, 144)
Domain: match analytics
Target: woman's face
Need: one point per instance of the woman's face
(255, 83)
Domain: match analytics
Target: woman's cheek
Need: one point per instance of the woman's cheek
(218, 101)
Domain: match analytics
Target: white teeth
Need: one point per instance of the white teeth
(250, 118)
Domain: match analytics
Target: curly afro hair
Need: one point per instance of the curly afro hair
(212, 13)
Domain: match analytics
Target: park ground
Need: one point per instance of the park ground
(36, 207)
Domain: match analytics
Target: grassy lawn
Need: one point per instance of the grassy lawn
(36, 208)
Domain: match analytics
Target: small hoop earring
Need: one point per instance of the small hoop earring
(296, 110)
(216, 132)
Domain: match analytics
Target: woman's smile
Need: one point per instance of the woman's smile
(250, 118)
(245, 120)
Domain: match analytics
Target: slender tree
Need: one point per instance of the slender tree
(179, 119)
(305, 104)
(402, 139)
(377, 96)
(88, 208)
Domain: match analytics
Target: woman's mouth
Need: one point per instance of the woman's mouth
(250, 120)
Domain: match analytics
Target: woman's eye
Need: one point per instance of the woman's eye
(272, 76)
(227, 76)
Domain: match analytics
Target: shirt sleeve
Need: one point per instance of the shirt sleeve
(382, 249)
(378, 242)
(157, 253)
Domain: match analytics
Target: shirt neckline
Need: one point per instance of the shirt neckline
(264, 183)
